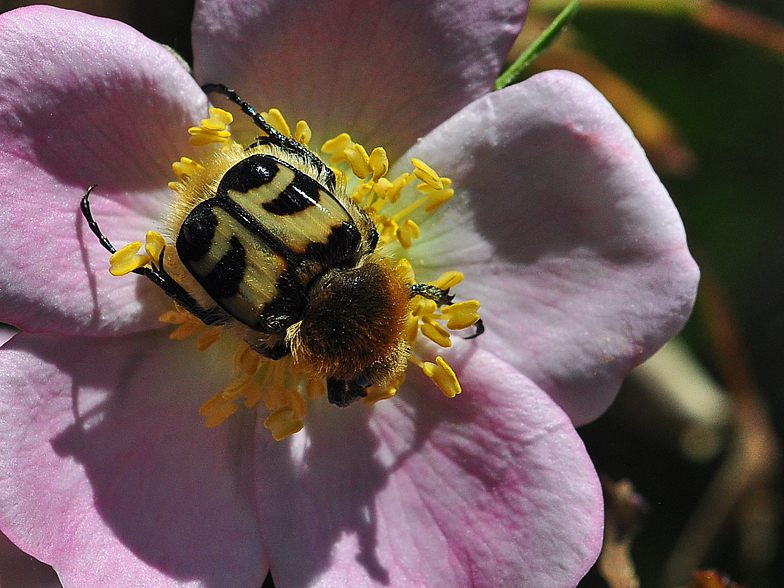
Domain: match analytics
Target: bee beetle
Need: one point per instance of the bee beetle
(280, 255)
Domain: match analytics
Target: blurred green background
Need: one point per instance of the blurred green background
(708, 105)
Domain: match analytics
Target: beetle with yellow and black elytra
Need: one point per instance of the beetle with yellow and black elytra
(268, 244)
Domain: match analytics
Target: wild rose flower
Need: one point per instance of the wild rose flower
(558, 223)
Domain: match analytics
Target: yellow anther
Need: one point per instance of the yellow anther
(443, 376)
(435, 332)
(461, 315)
(154, 245)
(235, 389)
(127, 259)
(438, 198)
(218, 120)
(379, 163)
(253, 393)
(383, 188)
(407, 232)
(411, 330)
(335, 147)
(375, 395)
(282, 423)
(277, 121)
(358, 159)
(187, 329)
(424, 306)
(398, 184)
(205, 339)
(203, 137)
(448, 280)
(173, 317)
(246, 361)
(387, 229)
(303, 134)
(360, 191)
(405, 271)
(213, 129)
(216, 410)
(186, 167)
(427, 174)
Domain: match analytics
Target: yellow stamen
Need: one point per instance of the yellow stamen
(407, 232)
(376, 395)
(336, 147)
(360, 191)
(358, 159)
(461, 315)
(218, 121)
(424, 306)
(125, 260)
(246, 361)
(206, 339)
(213, 129)
(435, 332)
(173, 317)
(410, 208)
(387, 229)
(427, 174)
(282, 423)
(443, 376)
(276, 121)
(186, 167)
(411, 329)
(187, 329)
(448, 280)
(154, 245)
(379, 163)
(216, 410)
(303, 134)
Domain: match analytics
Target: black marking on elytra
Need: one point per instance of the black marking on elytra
(196, 234)
(302, 193)
(275, 137)
(225, 277)
(341, 249)
(252, 172)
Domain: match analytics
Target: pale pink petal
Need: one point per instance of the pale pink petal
(83, 101)
(492, 488)
(565, 234)
(108, 473)
(385, 71)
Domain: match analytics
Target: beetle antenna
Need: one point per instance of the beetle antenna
(275, 136)
(88, 215)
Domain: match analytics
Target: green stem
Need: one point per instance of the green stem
(514, 73)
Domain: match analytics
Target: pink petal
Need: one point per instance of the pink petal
(108, 473)
(492, 488)
(565, 234)
(386, 72)
(83, 101)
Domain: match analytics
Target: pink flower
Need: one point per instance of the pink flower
(562, 230)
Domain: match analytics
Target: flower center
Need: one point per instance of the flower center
(362, 307)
